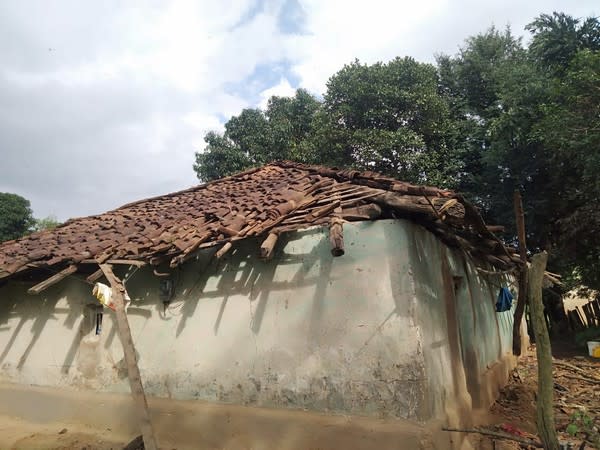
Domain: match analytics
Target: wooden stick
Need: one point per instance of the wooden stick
(496, 434)
(556, 362)
(52, 280)
(522, 295)
(575, 377)
(131, 262)
(133, 371)
(545, 397)
(267, 247)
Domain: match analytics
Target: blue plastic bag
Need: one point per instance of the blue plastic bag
(504, 302)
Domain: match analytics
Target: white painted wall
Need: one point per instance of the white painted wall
(305, 330)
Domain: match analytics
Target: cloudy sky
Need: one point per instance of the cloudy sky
(105, 102)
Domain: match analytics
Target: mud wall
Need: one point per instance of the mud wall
(366, 333)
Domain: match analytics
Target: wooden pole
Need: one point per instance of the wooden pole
(545, 397)
(133, 371)
(522, 295)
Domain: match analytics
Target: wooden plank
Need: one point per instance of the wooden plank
(133, 371)
(52, 280)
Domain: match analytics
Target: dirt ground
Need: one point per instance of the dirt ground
(576, 400)
(185, 425)
(201, 425)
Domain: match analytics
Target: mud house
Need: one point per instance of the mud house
(286, 286)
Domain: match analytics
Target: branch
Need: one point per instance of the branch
(496, 434)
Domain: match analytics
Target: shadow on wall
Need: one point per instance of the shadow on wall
(24, 317)
(242, 272)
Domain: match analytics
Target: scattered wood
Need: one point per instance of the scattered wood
(133, 371)
(587, 380)
(52, 280)
(268, 245)
(496, 434)
(557, 362)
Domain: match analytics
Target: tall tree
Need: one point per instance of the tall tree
(256, 137)
(391, 118)
(15, 216)
(558, 37)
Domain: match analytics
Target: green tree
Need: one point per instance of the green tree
(45, 223)
(558, 37)
(15, 216)
(570, 130)
(256, 137)
(391, 118)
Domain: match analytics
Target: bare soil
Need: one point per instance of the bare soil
(186, 425)
(101, 423)
(576, 393)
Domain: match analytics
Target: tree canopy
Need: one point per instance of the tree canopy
(15, 216)
(495, 117)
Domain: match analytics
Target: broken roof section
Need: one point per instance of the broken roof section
(282, 196)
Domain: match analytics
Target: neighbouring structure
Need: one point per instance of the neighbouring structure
(286, 286)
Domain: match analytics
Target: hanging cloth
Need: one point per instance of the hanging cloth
(504, 302)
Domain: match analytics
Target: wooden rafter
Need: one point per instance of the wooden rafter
(52, 280)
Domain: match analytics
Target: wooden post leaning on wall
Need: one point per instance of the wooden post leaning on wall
(133, 371)
(522, 295)
(545, 397)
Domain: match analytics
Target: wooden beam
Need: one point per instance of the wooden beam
(133, 371)
(131, 262)
(52, 280)
(221, 252)
(267, 247)
(95, 276)
(336, 236)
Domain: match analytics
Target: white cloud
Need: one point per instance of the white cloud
(281, 89)
(102, 103)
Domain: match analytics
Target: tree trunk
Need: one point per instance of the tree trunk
(545, 398)
(522, 295)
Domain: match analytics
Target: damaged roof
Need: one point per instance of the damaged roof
(279, 197)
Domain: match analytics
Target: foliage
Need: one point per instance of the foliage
(391, 118)
(256, 137)
(45, 223)
(582, 423)
(557, 38)
(15, 216)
